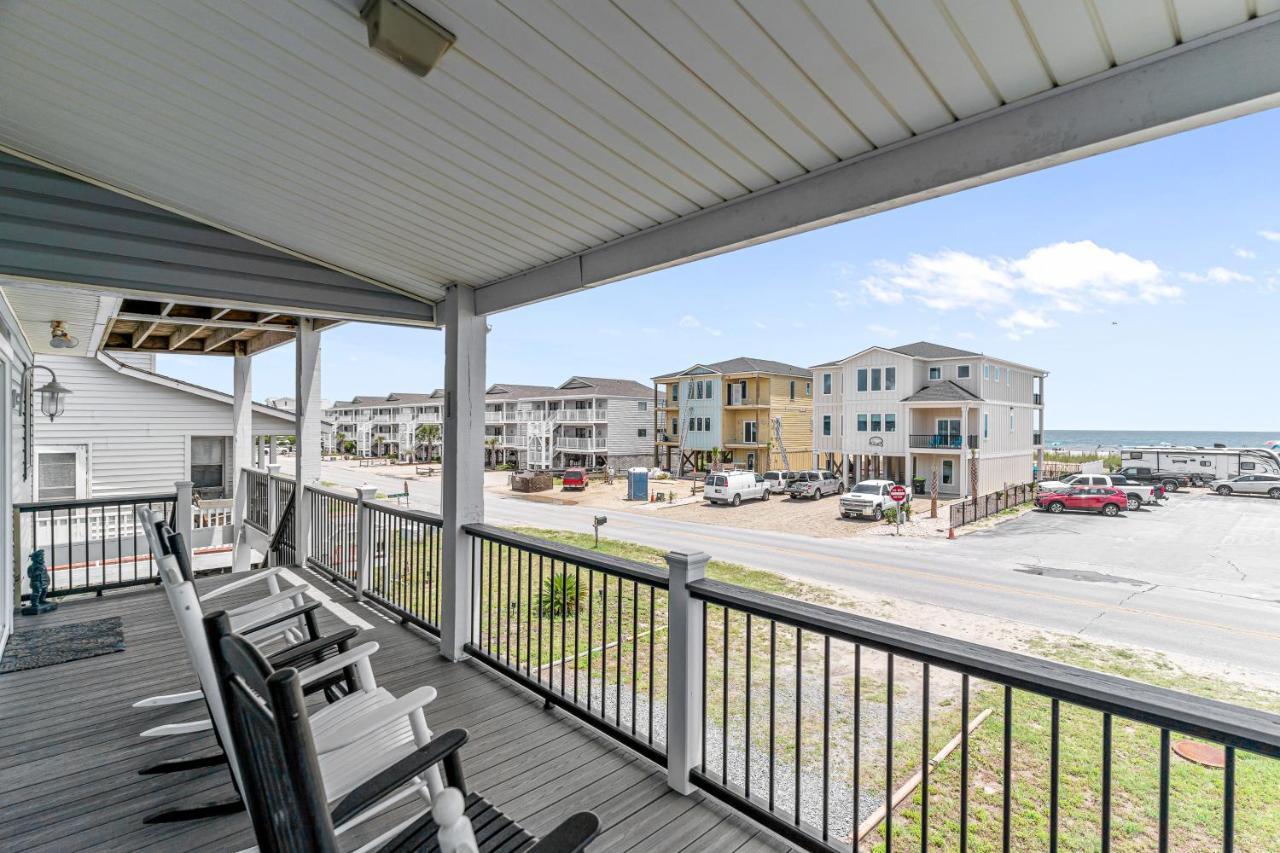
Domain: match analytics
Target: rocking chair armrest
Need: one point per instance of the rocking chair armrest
(253, 577)
(571, 836)
(442, 748)
(276, 618)
(377, 720)
(302, 652)
(289, 594)
(336, 663)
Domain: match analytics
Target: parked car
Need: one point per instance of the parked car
(574, 478)
(814, 484)
(1107, 500)
(1171, 480)
(1137, 493)
(733, 487)
(777, 481)
(870, 498)
(1248, 484)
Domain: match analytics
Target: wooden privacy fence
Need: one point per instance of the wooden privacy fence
(967, 512)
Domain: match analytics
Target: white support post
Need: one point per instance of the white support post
(182, 511)
(685, 650)
(365, 495)
(241, 553)
(273, 450)
(273, 508)
(306, 449)
(844, 470)
(462, 480)
(243, 450)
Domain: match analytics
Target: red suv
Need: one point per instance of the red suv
(1107, 500)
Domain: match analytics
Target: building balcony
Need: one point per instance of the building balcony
(668, 438)
(1037, 399)
(942, 441)
(581, 415)
(753, 403)
(738, 444)
(562, 442)
(1037, 439)
(494, 417)
(617, 740)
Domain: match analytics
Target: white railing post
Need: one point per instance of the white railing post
(241, 553)
(182, 509)
(365, 495)
(273, 473)
(685, 652)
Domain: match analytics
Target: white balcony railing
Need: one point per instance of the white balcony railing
(576, 443)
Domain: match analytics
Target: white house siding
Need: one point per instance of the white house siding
(136, 433)
(14, 358)
(626, 418)
(845, 403)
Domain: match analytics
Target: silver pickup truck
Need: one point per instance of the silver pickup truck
(868, 499)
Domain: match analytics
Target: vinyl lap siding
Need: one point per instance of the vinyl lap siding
(626, 419)
(136, 433)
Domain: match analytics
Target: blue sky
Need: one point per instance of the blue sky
(1147, 281)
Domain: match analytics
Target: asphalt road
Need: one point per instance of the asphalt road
(1196, 577)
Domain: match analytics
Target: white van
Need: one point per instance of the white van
(733, 487)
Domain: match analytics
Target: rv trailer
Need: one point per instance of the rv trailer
(1202, 464)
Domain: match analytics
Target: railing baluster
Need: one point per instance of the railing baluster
(964, 763)
(1164, 790)
(724, 699)
(1106, 783)
(1055, 724)
(1007, 803)
(855, 817)
(1229, 800)
(826, 738)
(924, 759)
(746, 719)
(773, 703)
(799, 711)
(888, 755)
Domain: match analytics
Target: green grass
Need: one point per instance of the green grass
(1196, 792)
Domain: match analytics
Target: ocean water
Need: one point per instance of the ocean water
(1089, 439)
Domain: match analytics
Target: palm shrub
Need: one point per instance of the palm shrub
(561, 594)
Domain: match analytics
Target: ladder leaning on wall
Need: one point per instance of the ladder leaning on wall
(782, 447)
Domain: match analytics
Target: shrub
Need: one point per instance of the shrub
(561, 594)
(891, 514)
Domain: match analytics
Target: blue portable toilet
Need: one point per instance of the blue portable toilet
(638, 484)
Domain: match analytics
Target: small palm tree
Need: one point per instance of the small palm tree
(427, 434)
(561, 594)
(377, 445)
(491, 446)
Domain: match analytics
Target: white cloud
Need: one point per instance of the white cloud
(760, 325)
(1273, 236)
(688, 321)
(882, 331)
(1218, 275)
(842, 298)
(1027, 291)
(966, 336)
(1247, 254)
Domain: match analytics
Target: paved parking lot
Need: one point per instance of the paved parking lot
(1223, 544)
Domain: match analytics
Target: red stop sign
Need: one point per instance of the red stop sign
(898, 493)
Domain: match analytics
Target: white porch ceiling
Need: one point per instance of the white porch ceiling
(35, 308)
(553, 127)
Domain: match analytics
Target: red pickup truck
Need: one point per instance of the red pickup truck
(574, 478)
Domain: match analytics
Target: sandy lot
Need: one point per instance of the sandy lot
(819, 518)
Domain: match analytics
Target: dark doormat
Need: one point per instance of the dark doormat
(34, 648)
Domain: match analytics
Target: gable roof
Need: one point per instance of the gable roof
(607, 387)
(925, 349)
(943, 392)
(744, 364)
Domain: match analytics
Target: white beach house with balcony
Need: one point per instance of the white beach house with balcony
(922, 410)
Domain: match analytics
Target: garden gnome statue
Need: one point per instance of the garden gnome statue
(38, 576)
(456, 835)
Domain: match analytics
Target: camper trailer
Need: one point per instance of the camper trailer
(1202, 464)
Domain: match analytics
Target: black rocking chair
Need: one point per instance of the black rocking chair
(282, 785)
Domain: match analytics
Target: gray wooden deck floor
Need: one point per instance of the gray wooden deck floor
(70, 750)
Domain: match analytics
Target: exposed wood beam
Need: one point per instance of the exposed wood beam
(212, 322)
(266, 341)
(183, 334)
(1210, 79)
(221, 336)
(142, 333)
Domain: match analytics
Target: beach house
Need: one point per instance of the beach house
(924, 411)
(750, 412)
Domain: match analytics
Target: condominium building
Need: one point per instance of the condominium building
(385, 426)
(973, 421)
(750, 412)
(586, 421)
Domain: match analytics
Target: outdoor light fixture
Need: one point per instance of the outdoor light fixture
(401, 32)
(60, 338)
(53, 394)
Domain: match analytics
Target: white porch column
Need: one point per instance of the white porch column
(307, 412)
(273, 454)
(242, 439)
(907, 474)
(844, 470)
(686, 649)
(462, 480)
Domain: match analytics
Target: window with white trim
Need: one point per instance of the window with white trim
(875, 423)
(862, 379)
(826, 383)
(875, 379)
(890, 422)
(826, 424)
(962, 371)
(935, 373)
(890, 378)
(862, 423)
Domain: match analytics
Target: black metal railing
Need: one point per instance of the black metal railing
(334, 535)
(968, 511)
(941, 441)
(404, 563)
(89, 545)
(813, 719)
(1036, 438)
(257, 511)
(584, 630)
(1036, 398)
(282, 524)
